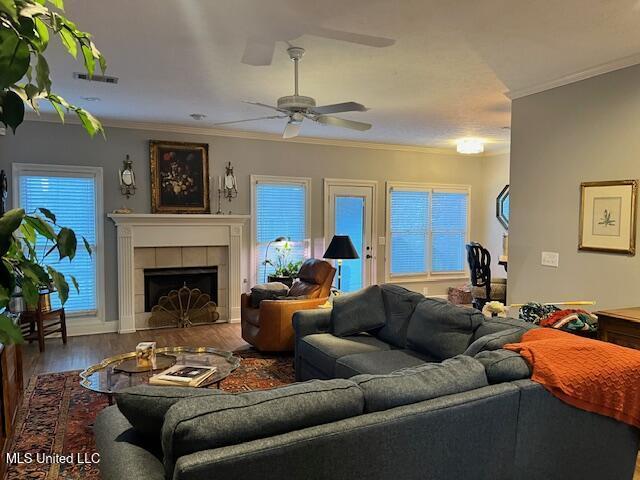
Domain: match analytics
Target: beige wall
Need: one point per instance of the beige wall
(39, 142)
(587, 131)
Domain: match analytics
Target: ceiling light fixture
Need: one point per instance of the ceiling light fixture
(198, 116)
(470, 146)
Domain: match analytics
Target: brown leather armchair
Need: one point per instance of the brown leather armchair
(269, 327)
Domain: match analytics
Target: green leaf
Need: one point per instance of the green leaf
(31, 9)
(75, 283)
(69, 42)
(103, 63)
(9, 331)
(35, 273)
(87, 246)
(30, 292)
(14, 58)
(10, 222)
(67, 243)
(58, 108)
(42, 74)
(42, 227)
(28, 232)
(43, 33)
(89, 122)
(4, 297)
(12, 114)
(58, 4)
(48, 213)
(9, 7)
(60, 284)
(89, 59)
(31, 91)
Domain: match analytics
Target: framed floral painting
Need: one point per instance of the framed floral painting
(608, 216)
(179, 177)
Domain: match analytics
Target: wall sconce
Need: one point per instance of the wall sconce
(127, 178)
(230, 184)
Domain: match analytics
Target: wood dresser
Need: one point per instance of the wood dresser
(10, 393)
(620, 326)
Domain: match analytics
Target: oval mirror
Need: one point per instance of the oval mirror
(502, 207)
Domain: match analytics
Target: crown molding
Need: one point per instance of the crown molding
(218, 132)
(601, 69)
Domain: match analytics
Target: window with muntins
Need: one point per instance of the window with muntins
(428, 230)
(72, 198)
(280, 211)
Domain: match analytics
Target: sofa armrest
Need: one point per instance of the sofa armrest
(285, 309)
(309, 322)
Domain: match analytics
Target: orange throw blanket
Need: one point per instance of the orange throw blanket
(591, 375)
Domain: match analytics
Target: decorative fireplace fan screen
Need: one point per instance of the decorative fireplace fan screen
(183, 308)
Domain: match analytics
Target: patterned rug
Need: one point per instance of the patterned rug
(57, 415)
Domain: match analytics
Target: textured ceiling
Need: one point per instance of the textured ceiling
(443, 77)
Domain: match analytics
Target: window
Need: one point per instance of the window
(428, 230)
(281, 209)
(74, 195)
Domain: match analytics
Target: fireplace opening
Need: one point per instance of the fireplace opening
(160, 281)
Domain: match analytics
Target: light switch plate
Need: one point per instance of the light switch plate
(550, 259)
(382, 240)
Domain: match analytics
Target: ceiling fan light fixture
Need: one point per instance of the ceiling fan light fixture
(470, 146)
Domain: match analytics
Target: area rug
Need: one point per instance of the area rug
(57, 415)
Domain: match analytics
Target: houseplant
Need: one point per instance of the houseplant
(25, 29)
(22, 265)
(286, 269)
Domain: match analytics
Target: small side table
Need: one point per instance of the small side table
(36, 325)
(620, 326)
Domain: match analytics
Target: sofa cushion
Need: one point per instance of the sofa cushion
(494, 341)
(323, 349)
(399, 304)
(442, 329)
(377, 362)
(498, 324)
(145, 405)
(416, 384)
(504, 366)
(267, 291)
(201, 423)
(357, 312)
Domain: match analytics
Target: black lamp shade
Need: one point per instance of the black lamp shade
(341, 248)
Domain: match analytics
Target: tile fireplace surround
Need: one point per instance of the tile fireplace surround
(176, 236)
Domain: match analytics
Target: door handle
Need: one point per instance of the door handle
(368, 256)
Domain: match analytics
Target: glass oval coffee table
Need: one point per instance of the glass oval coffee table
(120, 371)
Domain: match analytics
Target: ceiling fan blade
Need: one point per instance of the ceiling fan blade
(292, 130)
(268, 106)
(250, 120)
(258, 53)
(351, 37)
(339, 108)
(341, 122)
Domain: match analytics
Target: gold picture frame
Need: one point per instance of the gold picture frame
(608, 216)
(179, 177)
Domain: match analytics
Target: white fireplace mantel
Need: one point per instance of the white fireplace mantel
(164, 230)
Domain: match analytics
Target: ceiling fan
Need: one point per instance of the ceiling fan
(297, 107)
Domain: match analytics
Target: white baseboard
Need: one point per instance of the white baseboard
(234, 320)
(90, 328)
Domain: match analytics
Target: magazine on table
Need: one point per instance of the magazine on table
(184, 375)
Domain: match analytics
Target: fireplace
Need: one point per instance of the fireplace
(160, 281)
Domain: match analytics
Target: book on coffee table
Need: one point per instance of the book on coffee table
(183, 375)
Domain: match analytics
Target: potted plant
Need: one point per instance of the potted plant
(24, 276)
(286, 270)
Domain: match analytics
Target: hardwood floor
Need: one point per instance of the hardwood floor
(80, 352)
(86, 350)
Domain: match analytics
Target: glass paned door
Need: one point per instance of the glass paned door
(351, 213)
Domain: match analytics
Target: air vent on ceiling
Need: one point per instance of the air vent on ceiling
(96, 78)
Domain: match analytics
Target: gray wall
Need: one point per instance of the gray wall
(496, 172)
(586, 131)
(41, 142)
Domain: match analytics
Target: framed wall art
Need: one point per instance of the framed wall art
(179, 177)
(608, 216)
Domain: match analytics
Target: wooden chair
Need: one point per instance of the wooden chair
(484, 288)
(40, 323)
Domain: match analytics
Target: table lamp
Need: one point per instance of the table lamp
(341, 248)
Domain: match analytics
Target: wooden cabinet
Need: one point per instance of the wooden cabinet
(10, 392)
(620, 326)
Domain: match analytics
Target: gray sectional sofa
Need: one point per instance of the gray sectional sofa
(392, 385)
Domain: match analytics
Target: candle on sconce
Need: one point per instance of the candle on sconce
(220, 182)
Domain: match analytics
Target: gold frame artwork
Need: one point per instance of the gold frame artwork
(157, 205)
(625, 206)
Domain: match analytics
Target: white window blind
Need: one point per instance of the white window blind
(428, 231)
(73, 200)
(281, 211)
